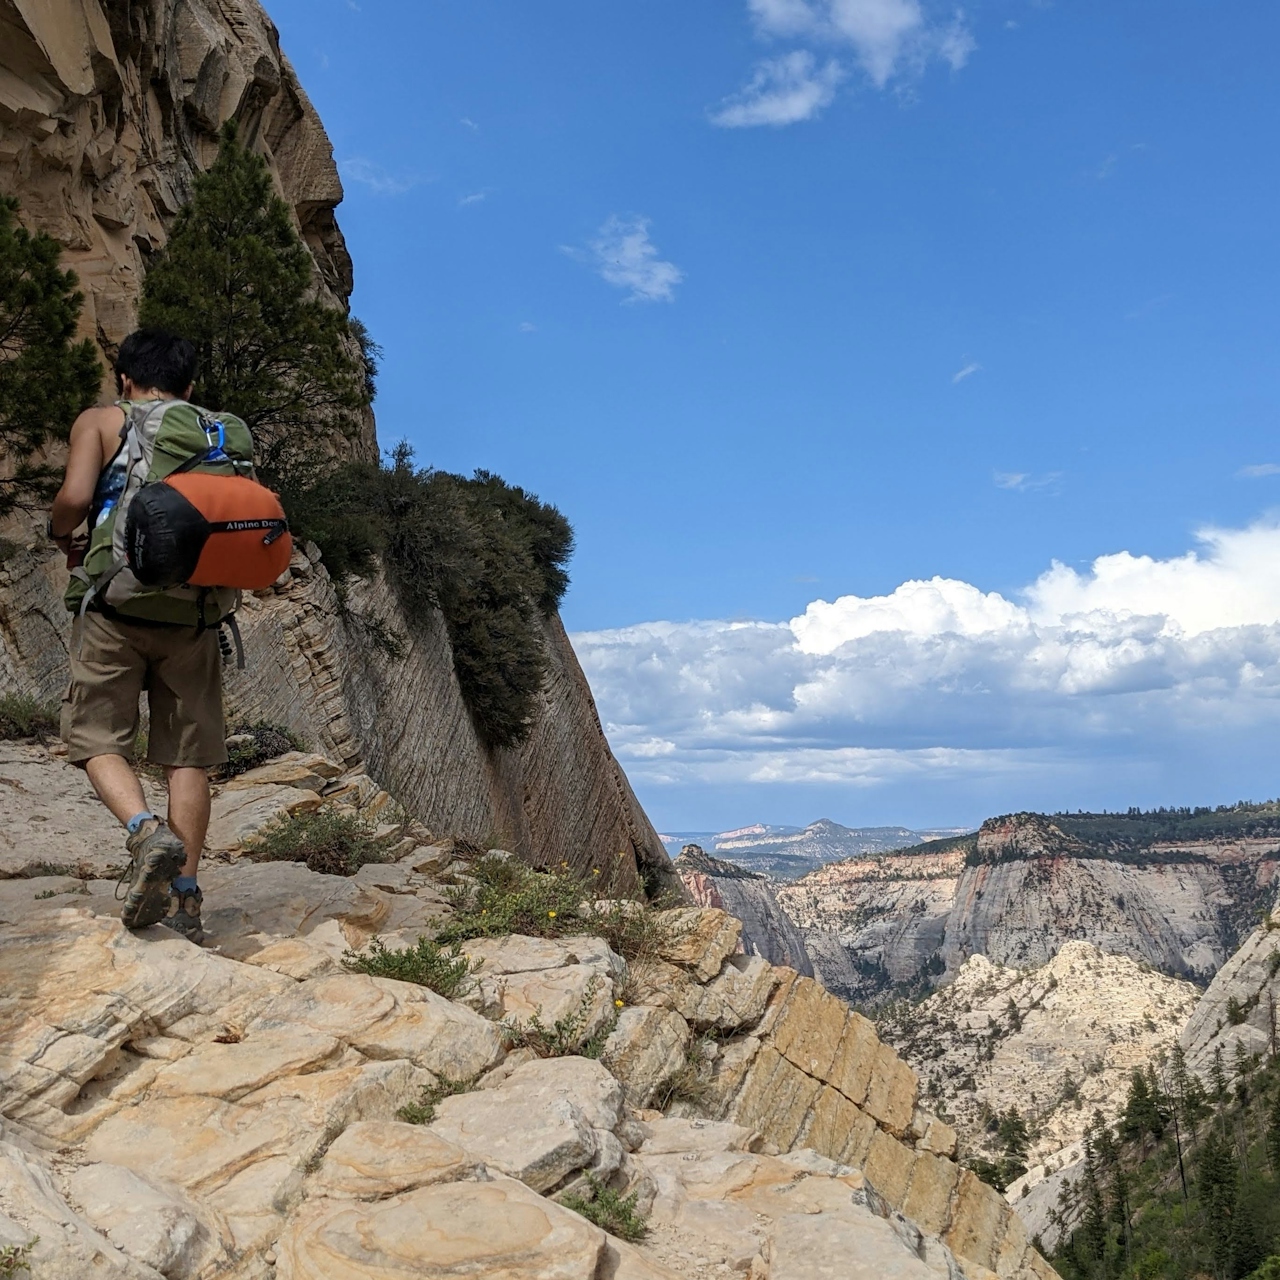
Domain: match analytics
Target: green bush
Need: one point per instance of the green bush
(25, 717)
(565, 1036)
(426, 963)
(269, 741)
(488, 555)
(610, 1211)
(329, 842)
(504, 895)
(424, 1110)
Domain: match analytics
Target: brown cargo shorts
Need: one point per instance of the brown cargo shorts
(112, 662)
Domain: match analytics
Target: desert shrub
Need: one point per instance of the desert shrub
(269, 741)
(566, 1035)
(444, 971)
(610, 1211)
(507, 896)
(25, 717)
(488, 555)
(424, 1110)
(329, 842)
(504, 895)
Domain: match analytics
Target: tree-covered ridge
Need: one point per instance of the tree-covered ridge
(1138, 827)
(1187, 1182)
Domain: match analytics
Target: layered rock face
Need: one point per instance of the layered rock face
(108, 110)
(231, 1111)
(766, 929)
(1016, 894)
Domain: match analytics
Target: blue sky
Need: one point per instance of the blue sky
(787, 302)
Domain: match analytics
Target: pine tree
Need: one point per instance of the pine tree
(236, 279)
(1218, 1077)
(1216, 1185)
(46, 378)
(1273, 1134)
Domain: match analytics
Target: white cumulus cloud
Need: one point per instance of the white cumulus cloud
(783, 91)
(626, 258)
(1124, 665)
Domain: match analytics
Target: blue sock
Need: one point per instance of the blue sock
(184, 884)
(137, 820)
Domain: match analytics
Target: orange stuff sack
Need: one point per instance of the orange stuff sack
(203, 530)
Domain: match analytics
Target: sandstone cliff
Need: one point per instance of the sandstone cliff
(231, 1111)
(766, 929)
(107, 111)
(1020, 890)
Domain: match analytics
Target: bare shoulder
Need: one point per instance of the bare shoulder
(101, 423)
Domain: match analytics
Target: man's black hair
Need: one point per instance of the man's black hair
(154, 358)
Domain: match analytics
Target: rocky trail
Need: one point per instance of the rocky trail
(231, 1111)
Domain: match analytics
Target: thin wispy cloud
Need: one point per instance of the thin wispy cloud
(468, 123)
(782, 91)
(370, 174)
(889, 41)
(1259, 469)
(476, 197)
(967, 371)
(525, 327)
(1024, 481)
(624, 256)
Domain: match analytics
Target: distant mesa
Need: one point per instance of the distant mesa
(786, 853)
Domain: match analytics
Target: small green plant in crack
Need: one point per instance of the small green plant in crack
(424, 1110)
(329, 842)
(446, 971)
(611, 1212)
(25, 717)
(15, 1258)
(565, 1036)
(692, 1084)
(46, 893)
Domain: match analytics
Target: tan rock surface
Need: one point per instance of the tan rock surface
(498, 1229)
(372, 1158)
(699, 939)
(647, 1050)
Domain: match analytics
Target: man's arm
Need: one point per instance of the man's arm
(84, 465)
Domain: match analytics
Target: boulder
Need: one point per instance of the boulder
(498, 1229)
(569, 1109)
(699, 939)
(239, 814)
(647, 1050)
(375, 1158)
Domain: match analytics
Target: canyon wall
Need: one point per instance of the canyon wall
(905, 922)
(107, 112)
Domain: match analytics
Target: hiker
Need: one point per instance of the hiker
(152, 583)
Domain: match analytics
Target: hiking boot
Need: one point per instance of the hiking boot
(184, 914)
(158, 856)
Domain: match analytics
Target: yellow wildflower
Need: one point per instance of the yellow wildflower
(617, 1004)
(551, 915)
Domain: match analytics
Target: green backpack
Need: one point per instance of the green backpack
(158, 438)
